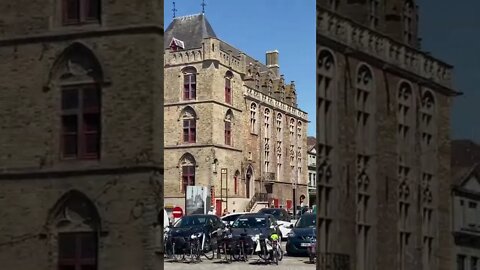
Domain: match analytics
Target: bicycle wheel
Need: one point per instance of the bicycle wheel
(275, 255)
(208, 250)
(280, 252)
(236, 252)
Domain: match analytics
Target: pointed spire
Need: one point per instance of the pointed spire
(203, 6)
(174, 9)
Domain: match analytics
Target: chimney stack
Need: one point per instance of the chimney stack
(272, 61)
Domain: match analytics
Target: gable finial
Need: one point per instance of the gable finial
(174, 9)
(203, 6)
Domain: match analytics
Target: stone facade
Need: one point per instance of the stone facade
(383, 125)
(116, 197)
(263, 149)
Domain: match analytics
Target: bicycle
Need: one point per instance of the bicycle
(225, 245)
(241, 247)
(277, 252)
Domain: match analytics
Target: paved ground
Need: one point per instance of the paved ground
(297, 263)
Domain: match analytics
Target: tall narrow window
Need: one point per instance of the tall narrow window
(81, 122)
(253, 118)
(267, 132)
(189, 125)
(228, 127)
(228, 87)
(235, 182)
(80, 11)
(189, 84)
(187, 165)
(77, 251)
(405, 113)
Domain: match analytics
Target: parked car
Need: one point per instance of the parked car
(181, 230)
(254, 225)
(283, 218)
(230, 218)
(302, 235)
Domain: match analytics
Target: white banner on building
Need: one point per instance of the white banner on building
(197, 200)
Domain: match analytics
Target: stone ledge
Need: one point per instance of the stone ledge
(52, 173)
(77, 34)
(375, 45)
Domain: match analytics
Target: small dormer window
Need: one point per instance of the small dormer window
(176, 45)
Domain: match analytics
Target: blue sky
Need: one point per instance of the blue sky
(257, 26)
(451, 33)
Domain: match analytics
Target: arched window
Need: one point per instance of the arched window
(253, 118)
(299, 130)
(187, 165)
(235, 182)
(228, 127)
(189, 125)
(77, 224)
(267, 139)
(292, 128)
(279, 125)
(79, 76)
(427, 117)
(266, 122)
(189, 83)
(228, 87)
(80, 11)
(405, 114)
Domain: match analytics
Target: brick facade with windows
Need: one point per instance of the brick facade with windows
(81, 141)
(383, 123)
(232, 93)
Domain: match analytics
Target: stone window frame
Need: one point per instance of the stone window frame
(74, 214)
(190, 86)
(187, 165)
(235, 182)
(406, 112)
(77, 69)
(405, 208)
(267, 113)
(81, 9)
(228, 134)
(326, 97)
(188, 117)
(427, 118)
(228, 87)
(86, 118)
(254, 118)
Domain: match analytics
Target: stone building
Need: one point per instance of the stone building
(81, 92)
(231, 122)
(383, 132)
(466, 204)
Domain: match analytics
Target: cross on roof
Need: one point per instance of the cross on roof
(174, 9)
(203, 6)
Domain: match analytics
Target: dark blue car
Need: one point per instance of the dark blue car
(302, 235)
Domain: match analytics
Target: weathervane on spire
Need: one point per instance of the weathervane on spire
(174, 9)
(203, 6)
